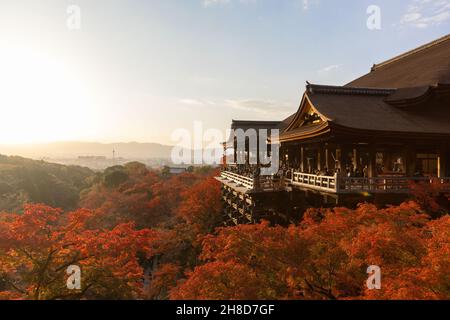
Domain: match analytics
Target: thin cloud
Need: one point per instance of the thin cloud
(209, 3)
(191, 102)
(426, 13)
(329, 69)
(305, 4)
(257, 106)
(261, 106)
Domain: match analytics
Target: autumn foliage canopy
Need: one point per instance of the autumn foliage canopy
(141, 235)
(38, 246)
(326, 257)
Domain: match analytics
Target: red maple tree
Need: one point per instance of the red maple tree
(36, 248)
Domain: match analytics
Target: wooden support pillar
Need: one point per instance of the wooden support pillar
(355, 158)
(442, 162)
(302, 159)
(372, 161)
(235, 159)
(339, 159)
(327, 158)
(287, 157)
(319, 159)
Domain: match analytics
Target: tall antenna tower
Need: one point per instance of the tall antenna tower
(114, 157)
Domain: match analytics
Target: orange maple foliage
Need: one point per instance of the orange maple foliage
(229, 280)
(163, 279)
(432, 197)
(145, 197)
(37, 247)
(183, 207)
(326, 257)
(201, 206)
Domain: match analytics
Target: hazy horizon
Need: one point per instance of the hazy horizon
(75, 149)
(82, 141)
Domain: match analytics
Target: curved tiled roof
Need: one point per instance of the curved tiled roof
(426, 65)
(286, 122)
(374, 111)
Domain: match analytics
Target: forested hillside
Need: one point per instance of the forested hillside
(29, 181)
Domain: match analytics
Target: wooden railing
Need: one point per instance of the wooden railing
(240, 180)
(332, 184)
(315, 182)
(335, 184)
(263, 183)
(385, 184)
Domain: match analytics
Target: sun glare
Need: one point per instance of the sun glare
(42, 99)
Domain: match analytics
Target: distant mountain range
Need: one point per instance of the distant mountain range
(130, 150)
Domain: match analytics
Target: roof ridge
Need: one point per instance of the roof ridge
(315, 88)
(411, 52)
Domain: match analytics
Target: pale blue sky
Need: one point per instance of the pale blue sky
(137, 70)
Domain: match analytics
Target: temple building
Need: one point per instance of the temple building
(367, 140)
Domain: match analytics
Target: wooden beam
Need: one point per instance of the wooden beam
(327, 158)
(372, 161)
(302, 159)
(319, 160)
(339, 158)
(355, 158)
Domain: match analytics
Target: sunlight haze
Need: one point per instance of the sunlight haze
(138, 70)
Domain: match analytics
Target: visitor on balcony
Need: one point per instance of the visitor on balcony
(349, 171)
(366, 172)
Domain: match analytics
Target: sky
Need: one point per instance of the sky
(137, 70)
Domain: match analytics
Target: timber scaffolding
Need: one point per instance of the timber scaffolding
(248, 200)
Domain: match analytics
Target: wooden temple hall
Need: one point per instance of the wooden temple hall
(367, 140)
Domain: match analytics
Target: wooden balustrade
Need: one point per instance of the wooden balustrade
(385, 184)
(315, 182)
(333, 184)
(263, 183)
(240, 180)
